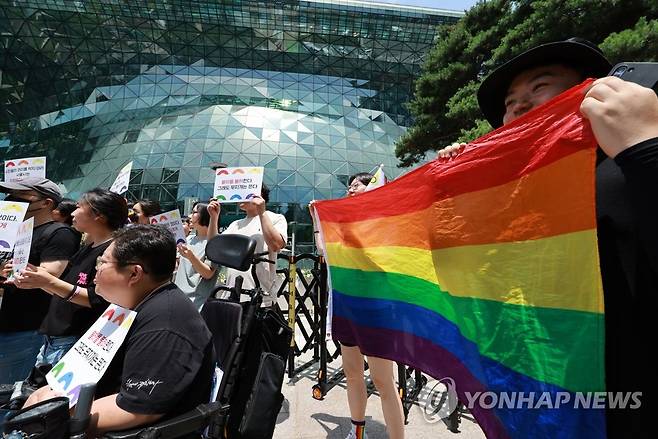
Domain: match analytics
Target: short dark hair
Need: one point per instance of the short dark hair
(149, 207)
(151, 246)
(363, 177)
(66, 208)
(204, 215)
(108, 204)
(265, 193)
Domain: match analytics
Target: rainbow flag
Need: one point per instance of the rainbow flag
(484, 269)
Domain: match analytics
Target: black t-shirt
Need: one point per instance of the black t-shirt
(66, 318)
(166, 363)
(24, 310)
(627, 220)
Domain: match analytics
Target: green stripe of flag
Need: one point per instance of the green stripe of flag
(546, 344)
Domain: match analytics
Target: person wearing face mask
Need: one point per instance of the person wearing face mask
(22, 311)
(624, 120)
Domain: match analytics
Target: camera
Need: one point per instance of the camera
(619, 71)
(643, 73)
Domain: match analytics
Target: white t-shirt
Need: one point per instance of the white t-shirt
(266, 272)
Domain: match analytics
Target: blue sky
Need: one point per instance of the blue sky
(458, 5)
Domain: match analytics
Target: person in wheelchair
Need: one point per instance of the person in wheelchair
(165, 366)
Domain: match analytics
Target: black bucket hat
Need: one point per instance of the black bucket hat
(578, 53)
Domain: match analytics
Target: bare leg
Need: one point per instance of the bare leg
(357, 398)
(381, 372)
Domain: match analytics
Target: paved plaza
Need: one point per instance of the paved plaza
(303, 417)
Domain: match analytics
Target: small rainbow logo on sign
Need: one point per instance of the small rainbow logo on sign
(23, 162)
(154, 221)
(12, 207)
(10, 164)
(238, 171)
(222, 172)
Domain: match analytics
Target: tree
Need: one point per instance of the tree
(491, 33)
(638, 43)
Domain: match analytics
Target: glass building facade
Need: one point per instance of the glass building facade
(312, 90)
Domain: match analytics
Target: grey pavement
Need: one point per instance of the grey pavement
(303, 417)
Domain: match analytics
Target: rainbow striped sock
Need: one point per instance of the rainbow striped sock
(359, 429)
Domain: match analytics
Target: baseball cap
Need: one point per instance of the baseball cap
(575, 52)
(42, 186)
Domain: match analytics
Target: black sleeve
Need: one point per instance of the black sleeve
(60, 246)
(158, 370)
(639, 164)
(97, 302)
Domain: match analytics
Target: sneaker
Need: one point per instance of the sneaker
(352, 434)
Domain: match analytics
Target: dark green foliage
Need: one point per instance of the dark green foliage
(493, 32)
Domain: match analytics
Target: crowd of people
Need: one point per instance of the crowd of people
(88, 254)
(121, 259)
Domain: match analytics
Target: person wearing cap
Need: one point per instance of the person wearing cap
(624, 119)
(22, 311)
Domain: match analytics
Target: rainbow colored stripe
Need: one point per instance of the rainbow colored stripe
(483, 269)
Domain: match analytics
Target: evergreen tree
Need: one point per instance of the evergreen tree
(491, 33)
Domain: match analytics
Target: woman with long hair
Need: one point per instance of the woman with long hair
(75, 306)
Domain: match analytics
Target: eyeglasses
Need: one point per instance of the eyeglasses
(100, 262)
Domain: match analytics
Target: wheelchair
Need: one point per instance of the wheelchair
(251, 344)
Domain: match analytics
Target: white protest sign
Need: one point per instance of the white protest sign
(20, 169)
(11, 217)
(172, 221)
(234, 185)
(122, 181)
(90, 356)
(22, 246)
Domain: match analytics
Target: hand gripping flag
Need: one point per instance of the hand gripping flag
(484, 269)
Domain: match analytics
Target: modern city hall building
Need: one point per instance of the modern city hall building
(312, 90)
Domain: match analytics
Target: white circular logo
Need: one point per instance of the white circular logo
(441, 401)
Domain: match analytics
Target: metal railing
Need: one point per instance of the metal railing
(305, 289)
